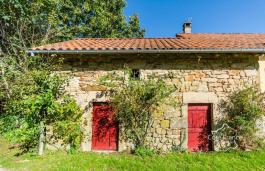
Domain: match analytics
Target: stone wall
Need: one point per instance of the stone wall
(204, 78)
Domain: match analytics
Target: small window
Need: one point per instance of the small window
(135, 73)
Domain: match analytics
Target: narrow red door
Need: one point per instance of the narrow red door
(104, 128)
(199, 123)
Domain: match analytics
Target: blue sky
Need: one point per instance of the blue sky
(164, 18)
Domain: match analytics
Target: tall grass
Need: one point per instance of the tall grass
(61, 161)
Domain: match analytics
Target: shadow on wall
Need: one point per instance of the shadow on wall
(161, 62)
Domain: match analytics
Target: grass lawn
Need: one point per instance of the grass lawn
(90, 161)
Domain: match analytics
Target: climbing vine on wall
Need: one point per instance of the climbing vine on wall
(243, 110)
(133, 100)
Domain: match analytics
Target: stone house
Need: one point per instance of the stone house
(207, 68)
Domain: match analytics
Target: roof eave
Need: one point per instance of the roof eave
(33, 52)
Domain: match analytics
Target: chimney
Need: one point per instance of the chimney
(187, 26)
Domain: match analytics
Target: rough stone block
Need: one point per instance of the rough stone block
(209, 79)
(93, 88)
(158, 114)
(218, 89)
(199, 97)
(165, 123)
(222, 76)
(174, 123)
(189, 78)
(234, 72)
(242, 74)
(203, 88)
(158, 130)
(169, 112)
(251, 73)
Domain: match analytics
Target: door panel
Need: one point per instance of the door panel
(104, 128)
(199, 127)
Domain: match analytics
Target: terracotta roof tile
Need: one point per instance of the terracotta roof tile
(180, 42)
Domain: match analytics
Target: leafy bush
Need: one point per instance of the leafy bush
(30, 93)
(43, 21)
(243, 109)
(134, 100)
(36, 101)
(144, 151)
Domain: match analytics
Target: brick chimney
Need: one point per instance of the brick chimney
(187, 26)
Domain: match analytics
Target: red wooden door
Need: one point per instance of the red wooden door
(104, 128)
(199, 123)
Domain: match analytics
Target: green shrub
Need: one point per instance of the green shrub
(134, 100)
(178, 148)
(144, 151)
(243, 110)
(37, 102)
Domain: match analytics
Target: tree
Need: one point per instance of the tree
(38, 101)
(37, 22)
(134, 100)
(30, 96)
(25, 23)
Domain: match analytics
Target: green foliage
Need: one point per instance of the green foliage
(24, 24)
(38, 22)
(38, 97)
(180, 147)
(59, 160)
(134, 100)
(144, 151)
(30, 93)
(69, 132)
(244, 109)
